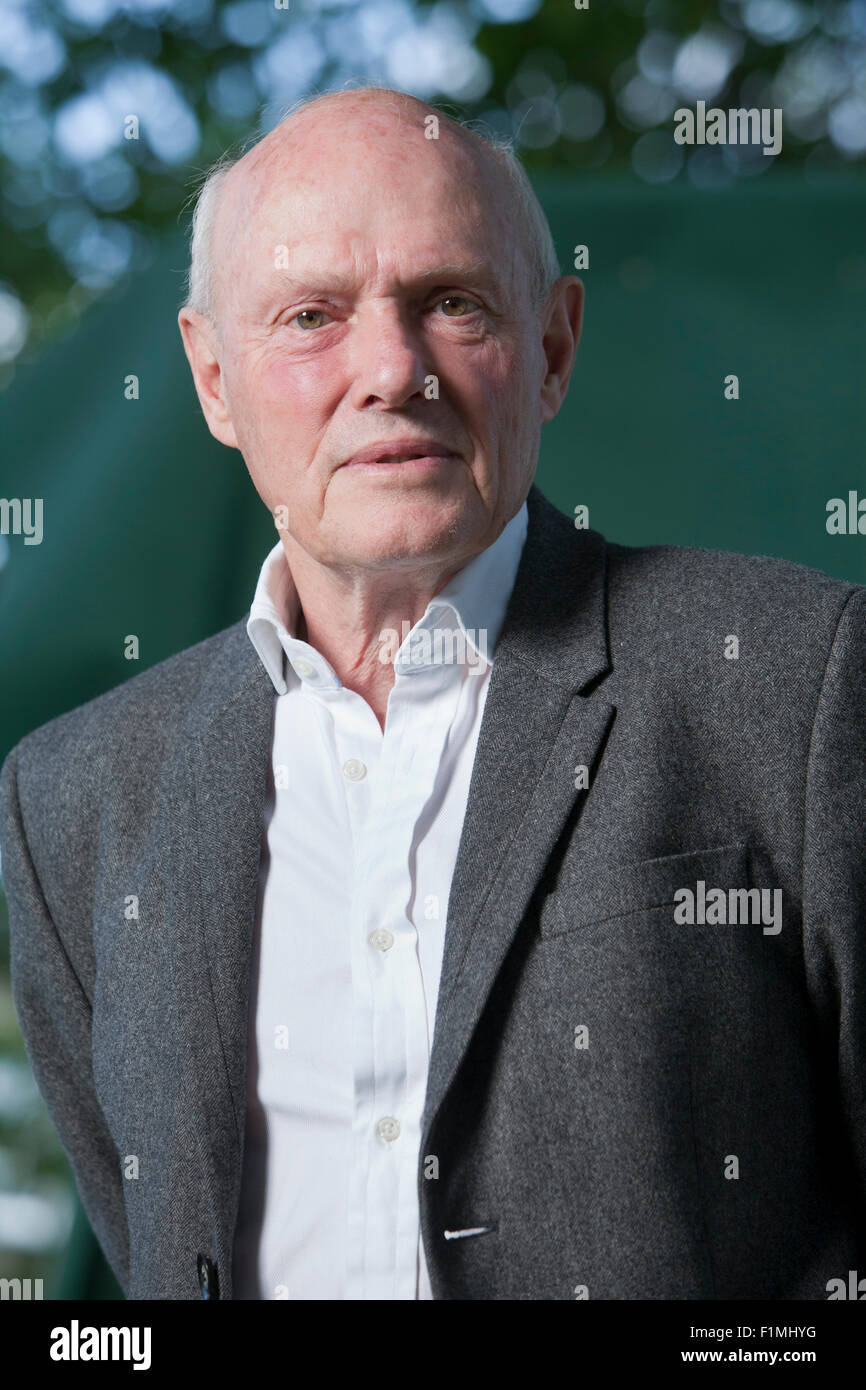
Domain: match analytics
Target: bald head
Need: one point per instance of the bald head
(338, 132)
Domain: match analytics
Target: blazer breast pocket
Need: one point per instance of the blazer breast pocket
(614, 892)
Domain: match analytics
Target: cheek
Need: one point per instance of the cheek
(280, 411)
(496, 392)
(291, 392)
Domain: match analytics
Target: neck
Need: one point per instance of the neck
(350, 616)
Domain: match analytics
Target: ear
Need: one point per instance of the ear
(562, 326)
(202, 348)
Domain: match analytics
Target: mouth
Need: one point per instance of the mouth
(430, 454)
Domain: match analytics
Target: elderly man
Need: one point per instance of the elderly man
(482, 915)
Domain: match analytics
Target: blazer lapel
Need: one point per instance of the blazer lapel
(217, 799)
(537, 727)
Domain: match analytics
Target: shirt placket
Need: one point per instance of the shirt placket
(390, 1025)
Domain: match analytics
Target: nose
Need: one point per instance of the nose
(388, 357)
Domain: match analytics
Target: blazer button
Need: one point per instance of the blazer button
(208, 1278)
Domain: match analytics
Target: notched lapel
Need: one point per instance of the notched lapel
(537, 728)
(219, 796)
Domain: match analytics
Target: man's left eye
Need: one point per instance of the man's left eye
(460, 304)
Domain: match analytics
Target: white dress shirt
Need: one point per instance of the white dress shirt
(361, 835)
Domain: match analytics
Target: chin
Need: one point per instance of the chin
(407, 539)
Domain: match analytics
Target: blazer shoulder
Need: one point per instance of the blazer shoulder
(695, 586)
(144, 711)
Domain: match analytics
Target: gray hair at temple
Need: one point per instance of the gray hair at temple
(529, 220)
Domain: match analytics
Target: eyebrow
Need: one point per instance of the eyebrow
(477, 272)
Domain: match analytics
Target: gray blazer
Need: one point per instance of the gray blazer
(631, 1105)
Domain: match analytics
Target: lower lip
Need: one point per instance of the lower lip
(430, 463)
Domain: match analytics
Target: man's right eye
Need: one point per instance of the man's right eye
(308, 314)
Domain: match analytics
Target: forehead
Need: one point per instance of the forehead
(364, 197)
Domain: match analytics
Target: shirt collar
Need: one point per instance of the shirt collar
(461, 623)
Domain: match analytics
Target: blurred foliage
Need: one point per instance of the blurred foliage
(111, 109)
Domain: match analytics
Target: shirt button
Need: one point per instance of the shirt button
(381, 938)
(354, 770)
(388, 1128)
(303, 667)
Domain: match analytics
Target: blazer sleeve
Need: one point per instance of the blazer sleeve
(55, 1018)
(834, 872)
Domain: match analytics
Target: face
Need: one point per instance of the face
(379, 362)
